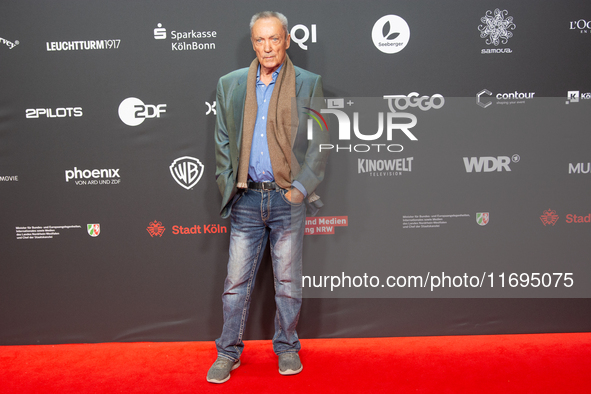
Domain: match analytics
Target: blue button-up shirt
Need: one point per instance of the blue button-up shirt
(259, 168)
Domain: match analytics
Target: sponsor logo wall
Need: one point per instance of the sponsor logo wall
(435, 128)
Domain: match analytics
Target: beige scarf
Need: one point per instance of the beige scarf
(279, 124)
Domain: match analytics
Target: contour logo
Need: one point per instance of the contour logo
(390, 34)
(133, 111)
(186, 171)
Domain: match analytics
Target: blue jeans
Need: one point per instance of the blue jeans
(258, 216)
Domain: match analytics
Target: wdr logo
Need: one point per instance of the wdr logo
(489, 163)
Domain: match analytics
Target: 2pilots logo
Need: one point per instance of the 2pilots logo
(186, 171)
(496, 28)
(390, 34)
(133, 111)
(66, 112)
(390, 121)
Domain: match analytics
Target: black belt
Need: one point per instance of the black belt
(262, 185)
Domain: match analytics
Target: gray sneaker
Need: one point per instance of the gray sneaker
(289, 364)
(220, 370)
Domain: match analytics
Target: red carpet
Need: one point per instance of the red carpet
(544, 363)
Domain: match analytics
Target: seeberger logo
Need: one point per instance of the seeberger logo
(180, 38)
(66, 112)
(390, 34)
(489, 163)
(496, 28)
(133, 111)
(186, 171)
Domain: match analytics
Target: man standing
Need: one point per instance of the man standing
(267, 164)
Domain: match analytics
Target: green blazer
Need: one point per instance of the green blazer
(231, 94)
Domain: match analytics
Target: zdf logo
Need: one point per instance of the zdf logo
(133, 111)
(302, 41)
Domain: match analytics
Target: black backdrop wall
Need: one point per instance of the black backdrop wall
(109, 207)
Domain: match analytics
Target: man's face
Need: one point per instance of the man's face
(269, 41)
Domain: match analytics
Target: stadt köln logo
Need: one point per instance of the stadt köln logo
(93, 229)
(549, 218)
(482, 218)
(155, 229)
(186, 171)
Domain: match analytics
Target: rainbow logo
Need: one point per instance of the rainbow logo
(313, 115)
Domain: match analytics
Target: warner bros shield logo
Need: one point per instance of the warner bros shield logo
(482, 218)
(186, 171)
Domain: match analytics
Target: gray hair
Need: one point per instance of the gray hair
(269, 14)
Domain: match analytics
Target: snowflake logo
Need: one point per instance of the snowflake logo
(549, 217)
(496, 28)
(155, 229)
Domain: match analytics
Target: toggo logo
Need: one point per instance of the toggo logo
(67, 112)
(133, 111)
(100, 176)
(489, 163)
(302, 41)
(395, 103)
